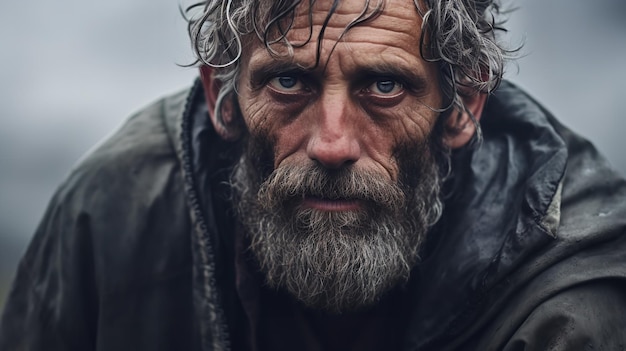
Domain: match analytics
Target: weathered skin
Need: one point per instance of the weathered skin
(335, 114)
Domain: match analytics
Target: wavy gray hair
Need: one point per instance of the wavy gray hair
(458, 34)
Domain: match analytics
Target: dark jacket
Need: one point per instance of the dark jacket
(135, 251)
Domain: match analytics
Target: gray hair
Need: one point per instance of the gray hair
(457, 34)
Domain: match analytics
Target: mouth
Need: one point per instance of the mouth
(332, 205)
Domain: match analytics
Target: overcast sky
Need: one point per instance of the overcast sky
(71, 71)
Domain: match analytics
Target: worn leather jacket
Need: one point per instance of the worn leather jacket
(135, 251)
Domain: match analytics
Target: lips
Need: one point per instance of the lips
(332, 205)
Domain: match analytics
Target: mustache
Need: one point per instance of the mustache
(291, 183)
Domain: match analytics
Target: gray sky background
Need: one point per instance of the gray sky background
(71, 71)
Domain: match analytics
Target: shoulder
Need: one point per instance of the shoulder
(569, 292)
(572, 186)
(117, 230)
(586, 317)
(125, 202)
(148, 135)
(140, 149)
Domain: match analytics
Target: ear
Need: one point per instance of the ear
(460, 128)
(226, 126)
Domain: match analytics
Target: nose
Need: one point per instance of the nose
(334, 142)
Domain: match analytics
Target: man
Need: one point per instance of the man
(327, 186)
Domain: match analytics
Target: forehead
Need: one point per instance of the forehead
(398, 16)
(393, 32)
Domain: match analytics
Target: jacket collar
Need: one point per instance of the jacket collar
(198, 151)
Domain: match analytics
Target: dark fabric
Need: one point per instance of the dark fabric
(287, 325)
(581, 318)
(137, 248)
(496, 235)
(97, 274)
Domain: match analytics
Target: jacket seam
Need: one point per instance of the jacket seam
(206, 251)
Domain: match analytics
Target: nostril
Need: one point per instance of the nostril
(334, 154)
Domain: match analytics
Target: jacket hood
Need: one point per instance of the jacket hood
(504, 208)
(515, 215)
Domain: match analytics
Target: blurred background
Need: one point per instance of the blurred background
(71, 71)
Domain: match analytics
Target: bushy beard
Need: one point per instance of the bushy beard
(336, 260)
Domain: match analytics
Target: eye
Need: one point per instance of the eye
(385, 87)
(286, 84)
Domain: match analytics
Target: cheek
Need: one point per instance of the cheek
(416, 129)
(254, 115)
(281, 134)
(403, 125)
(404, 136)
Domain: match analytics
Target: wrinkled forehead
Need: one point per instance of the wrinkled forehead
(288, 25)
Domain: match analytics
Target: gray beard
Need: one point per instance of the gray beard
(336, 260)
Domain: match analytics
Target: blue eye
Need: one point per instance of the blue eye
(385, 87)
(287, 82)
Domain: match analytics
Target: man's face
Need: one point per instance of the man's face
(339, 186)
(374, 92)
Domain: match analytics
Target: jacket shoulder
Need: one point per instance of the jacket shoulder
(118, 225)
(149, 134)
(131, 190)
(124, 201)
